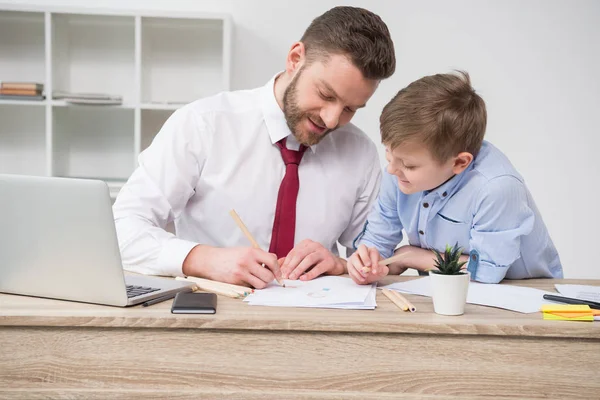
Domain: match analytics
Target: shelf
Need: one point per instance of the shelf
(93, 142)
(159, 106)
(22, 140)
(182, 59)
(63, 103)
(157, 61)
(94, 54)
(22, 102)
(22, 51)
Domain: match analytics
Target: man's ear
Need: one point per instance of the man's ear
(295, 58)
(461, 162)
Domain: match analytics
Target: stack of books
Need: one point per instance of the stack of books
(21, 91)
(87, 98)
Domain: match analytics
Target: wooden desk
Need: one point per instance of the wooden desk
(51, 348)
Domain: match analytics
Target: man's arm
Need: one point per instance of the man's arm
(156, 192)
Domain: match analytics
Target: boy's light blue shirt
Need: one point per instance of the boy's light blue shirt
(487, 209)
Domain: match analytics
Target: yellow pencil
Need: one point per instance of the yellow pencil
(248, 235)
(411, 308)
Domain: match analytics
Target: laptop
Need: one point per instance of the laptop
(58, 240)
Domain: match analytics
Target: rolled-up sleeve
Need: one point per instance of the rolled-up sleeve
(156, 194)
(383, 229)
(502, 216)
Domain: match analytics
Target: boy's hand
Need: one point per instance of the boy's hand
(363, 266)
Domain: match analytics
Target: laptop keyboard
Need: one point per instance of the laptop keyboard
(134, 291)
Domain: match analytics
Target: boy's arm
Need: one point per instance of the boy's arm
(501, 217)
(383, 229)
(416, 258)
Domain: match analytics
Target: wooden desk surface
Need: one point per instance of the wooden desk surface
(51, 348)
(235, 314)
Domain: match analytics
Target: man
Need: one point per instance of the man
(284, 156)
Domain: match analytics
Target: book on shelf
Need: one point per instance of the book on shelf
(21, 92)
(87, 98)
(24, 98)
(34, 86)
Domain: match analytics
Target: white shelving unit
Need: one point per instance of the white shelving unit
(156, 62)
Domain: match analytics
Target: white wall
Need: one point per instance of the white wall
(536, 64)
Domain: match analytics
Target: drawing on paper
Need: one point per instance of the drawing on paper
(319, 294)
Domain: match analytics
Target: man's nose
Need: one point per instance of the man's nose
(331, 116)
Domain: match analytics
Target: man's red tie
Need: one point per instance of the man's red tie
(284, 225)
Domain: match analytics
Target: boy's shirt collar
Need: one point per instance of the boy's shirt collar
(447, 188)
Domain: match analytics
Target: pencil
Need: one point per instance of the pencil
(243, 228)
(246, 232)
(385, 262)
(405, 300)
(214, 288)
(241, 289)
(389, 294)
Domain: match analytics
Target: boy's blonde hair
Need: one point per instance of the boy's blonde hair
(441, 111)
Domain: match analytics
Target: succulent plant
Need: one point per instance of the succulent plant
(449, 263)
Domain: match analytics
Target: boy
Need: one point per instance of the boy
(445, 185)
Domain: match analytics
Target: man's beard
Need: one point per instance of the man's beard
(294, 116)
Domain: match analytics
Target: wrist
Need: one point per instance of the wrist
(197, 261)
(404, 262)
(342, 265)
(339, 268)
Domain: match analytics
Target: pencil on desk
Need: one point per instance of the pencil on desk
(214, 287)
(411, 308)
(385, 262)
(248, 235)
(390, 295)
(243, 290)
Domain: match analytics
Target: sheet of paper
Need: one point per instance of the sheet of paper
(369, 303)
(582, 292)
(323, 292)
(515, 298)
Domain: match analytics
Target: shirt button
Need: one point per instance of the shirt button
(421, 232)
(445, 194)
(425, 205)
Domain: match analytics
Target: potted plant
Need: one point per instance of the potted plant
(449, 283)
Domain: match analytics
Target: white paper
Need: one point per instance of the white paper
(515, 298)
(582, 292)
(322, 292)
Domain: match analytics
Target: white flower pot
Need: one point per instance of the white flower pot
(449, 293)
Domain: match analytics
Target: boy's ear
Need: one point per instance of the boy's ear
(461, 162)
(295, 58)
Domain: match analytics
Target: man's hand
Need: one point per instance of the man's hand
(309, 260)
(368, 258)
(237, 265)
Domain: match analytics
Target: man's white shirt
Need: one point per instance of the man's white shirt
(218, 154)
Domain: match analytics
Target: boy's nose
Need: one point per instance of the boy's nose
(392, 170)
